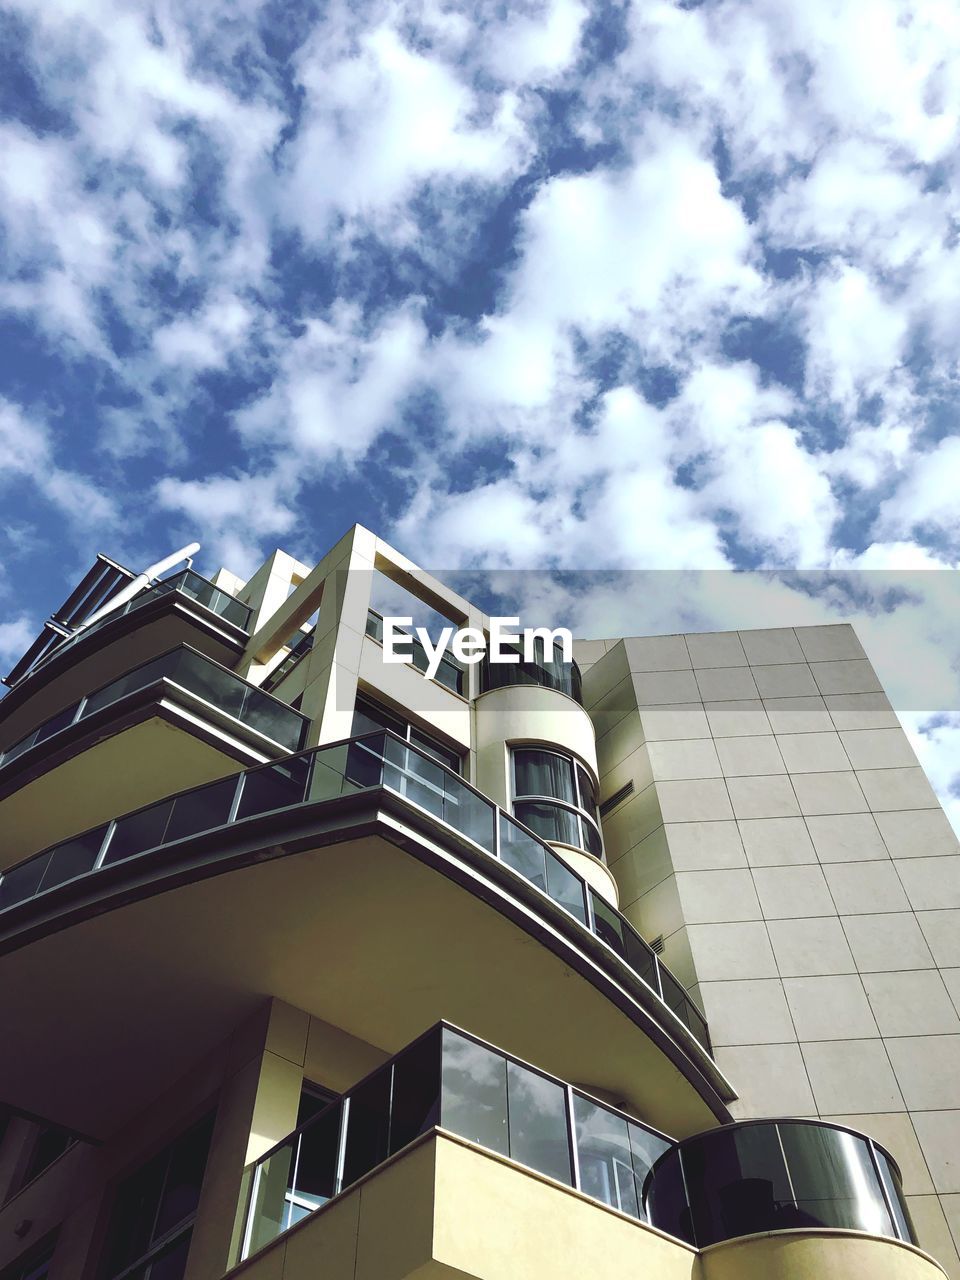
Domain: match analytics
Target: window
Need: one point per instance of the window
(313, 1099)
(555, 797)
(154, 1211)
(370, 716)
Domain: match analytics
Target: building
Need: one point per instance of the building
(312, 965)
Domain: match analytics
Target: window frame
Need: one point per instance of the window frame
(584, 819)
(406, 730)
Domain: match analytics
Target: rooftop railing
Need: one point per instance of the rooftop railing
(368, 762)
(452, 1080)
(547, 672)
(185, 583)
(200, 676)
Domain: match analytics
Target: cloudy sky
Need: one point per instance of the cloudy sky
(673, 285)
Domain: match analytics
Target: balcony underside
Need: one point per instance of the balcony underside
(444, 1210)
(115, 987)
(153, 749)
(120, 645)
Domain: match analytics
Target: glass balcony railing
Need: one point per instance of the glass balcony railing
(451, 1080)
(283, 668)
(776, 1175)
(186, 583)
(378, 760)
(199, 676)
(740, 1179)
(449, 672)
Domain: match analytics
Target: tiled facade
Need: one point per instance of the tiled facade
(785, 843)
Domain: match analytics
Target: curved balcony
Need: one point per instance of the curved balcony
(745, 1179)
(191, 671)
(454, 1081)
(365, 763)
(776, 1175)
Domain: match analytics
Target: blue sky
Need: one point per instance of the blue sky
(662, 286)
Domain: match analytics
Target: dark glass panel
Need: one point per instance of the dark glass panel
(646, 1148)
(222, 689)
(474, 1092)
(368, 1124)
(446, 755)
(56, 723)
(364, 763)
(591, 838)
(565, 888)
(134, 1213)
(49, 1144)
(369, 716)
(605, 1157)
(543, 773)
(737, 1182)
(891, 1181)
(416, 1091)
(139, 678)
(272, 718)
(73, 858)
(274, 786)
(674, 996)
(170, 1263)
(640, 956)
(181, 1192)
(201, 810)
(588, 794)
(665, 1198)
(317, 1166)
(608, 924)
(549, 821)
(538, 1122)
(833, 1179)
(21, 883)
(523, 853)
(139, 832)
(313, 1099)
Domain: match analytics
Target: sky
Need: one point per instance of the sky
(546, 286)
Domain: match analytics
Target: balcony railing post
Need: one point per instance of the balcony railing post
(572, 1139)
(656, 971)
(235, 802)
(341, 1146)
(105, 844)
(251, 1212)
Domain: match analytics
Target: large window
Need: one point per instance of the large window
(154, 1211)
(370, 716)
(555, 797)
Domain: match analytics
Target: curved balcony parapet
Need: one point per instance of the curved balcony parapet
(199, 676)
(758, 1176)
(365, 763)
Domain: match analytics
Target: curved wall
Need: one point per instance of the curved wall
(527, 713)
(830, 1255)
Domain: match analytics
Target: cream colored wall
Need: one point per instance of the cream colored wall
(595, 872)
(784, 841)
(827, 1255)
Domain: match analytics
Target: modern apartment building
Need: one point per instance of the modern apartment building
(314, 966)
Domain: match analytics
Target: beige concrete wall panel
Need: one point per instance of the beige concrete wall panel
(795, 680)
(861, 711)
(830, 1007)
(747, 1012)
(730, 951)
(776, 842)
(715, 649)
(851, 1076)
(918, 833)
(705, 846)
(771, 1080)
(821, 1256)
(771, 646)
(846, 837)
(741, 757)
(744, 717)
(657, 653)
(888, 942)
(855, 676)
(829, 643)
(798, 715)
(810, 947)
(683, 759)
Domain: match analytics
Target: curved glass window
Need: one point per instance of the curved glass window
(556, 798)
(548, 670)
(775, 1176)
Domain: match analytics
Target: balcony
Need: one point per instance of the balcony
(740, 1180)
(467, 1087)
(366, 763)
(776, 1175)
(200, 677)
(548, 673)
